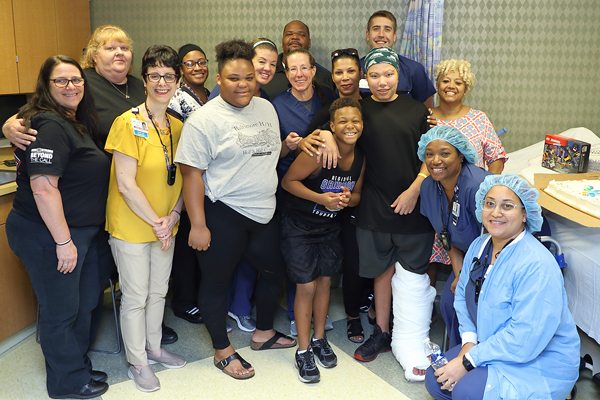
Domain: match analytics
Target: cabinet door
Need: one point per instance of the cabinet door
(35, 36)
(9, 78)
(72, 26)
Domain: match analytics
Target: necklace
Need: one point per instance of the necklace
(126, 94)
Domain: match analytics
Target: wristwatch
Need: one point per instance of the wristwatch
(467, 364)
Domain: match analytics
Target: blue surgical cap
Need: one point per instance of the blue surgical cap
(452, 136)
(526, 194)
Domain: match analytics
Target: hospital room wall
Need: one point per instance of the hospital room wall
(536, 63)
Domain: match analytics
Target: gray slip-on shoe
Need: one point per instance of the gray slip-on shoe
(145, 380)
(167, 359)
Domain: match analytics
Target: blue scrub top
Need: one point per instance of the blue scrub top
(433, 201)
(294, 117)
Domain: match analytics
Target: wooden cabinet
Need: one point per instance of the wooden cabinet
(33, 30)
(19, 304)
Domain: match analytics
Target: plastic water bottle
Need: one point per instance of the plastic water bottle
(434, 354)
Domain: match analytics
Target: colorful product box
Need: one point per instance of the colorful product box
(565, 155)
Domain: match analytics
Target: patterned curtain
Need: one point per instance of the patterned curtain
(422, 37)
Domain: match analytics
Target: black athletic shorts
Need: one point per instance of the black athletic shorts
(309, 251)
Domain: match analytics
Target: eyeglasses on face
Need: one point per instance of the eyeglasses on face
(304, 69)
(505, 208)
(191, 64)
(169, 78)
(351, 52)
(64, 82)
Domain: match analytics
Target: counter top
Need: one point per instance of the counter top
(6, 154)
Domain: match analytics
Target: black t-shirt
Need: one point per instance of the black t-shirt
(389, 141)
(280, 82)
(327, 180)
(82, 168)
(111, 101)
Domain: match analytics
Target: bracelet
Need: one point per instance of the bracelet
(63, 243)
(422, 174)
(178, 213)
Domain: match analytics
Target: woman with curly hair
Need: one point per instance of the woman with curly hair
(228, 152)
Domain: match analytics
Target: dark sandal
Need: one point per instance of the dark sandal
(355, 329)
(272, 343)
(226, 361)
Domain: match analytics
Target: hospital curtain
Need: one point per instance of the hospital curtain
(422, 37)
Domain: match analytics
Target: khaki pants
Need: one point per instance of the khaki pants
(144, 272)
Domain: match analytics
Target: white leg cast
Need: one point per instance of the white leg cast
(413, 303)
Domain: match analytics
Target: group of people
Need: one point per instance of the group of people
(299, 174)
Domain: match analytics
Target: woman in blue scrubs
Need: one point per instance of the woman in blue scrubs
(448, 200)
(519, 340)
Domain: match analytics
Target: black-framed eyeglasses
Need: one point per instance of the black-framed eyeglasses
(191, 64)
(64, 82)
(351, 52)
(155, 77)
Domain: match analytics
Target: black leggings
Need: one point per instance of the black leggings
(353, 285)
(234, 236)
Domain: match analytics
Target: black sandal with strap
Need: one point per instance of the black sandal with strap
(226, 361)
(355, 329)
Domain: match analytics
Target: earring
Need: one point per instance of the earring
(524, 220)
(145, 92)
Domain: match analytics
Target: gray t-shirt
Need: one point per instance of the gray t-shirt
(239, 149)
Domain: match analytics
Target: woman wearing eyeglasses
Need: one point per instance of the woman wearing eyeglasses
(519, 340)
(57, 212)
(191, 93)
(448, 201)
(143, 210)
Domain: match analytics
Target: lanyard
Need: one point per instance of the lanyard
(159, 138)
(450, 210)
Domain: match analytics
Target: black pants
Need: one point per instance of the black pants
(185, 272)
(353, 285)
(234, 236)
(106, 265)
(66, 300)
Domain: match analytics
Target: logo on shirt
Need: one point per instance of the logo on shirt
(41, 156)
(262, 143)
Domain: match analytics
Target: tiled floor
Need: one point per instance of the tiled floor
(22, 374)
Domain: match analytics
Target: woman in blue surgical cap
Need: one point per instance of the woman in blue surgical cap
(519, 340)
(448, 201)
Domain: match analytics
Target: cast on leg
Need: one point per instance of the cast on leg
(413, 302)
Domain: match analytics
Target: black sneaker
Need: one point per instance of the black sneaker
(379, 342)
(325, 355)
(307, 369)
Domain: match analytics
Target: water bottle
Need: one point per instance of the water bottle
(434, 354)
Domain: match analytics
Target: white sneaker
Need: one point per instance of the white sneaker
(293, 330)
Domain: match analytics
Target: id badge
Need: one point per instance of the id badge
(455, 213)
(140, 128)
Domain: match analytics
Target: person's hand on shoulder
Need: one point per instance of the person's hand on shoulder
(312, 143)
(330, 153)
(15, 131)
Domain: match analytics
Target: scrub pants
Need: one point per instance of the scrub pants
(234, 236)
(470, 387)
(66, 301)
